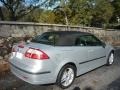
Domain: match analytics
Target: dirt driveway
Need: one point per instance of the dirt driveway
(97, 79)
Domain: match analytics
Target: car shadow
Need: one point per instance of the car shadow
(86, 88)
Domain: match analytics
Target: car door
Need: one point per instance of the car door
(96, 51)
(93, 53)
(81, 55)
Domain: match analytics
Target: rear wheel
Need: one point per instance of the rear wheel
(66, 76)
(110, 59)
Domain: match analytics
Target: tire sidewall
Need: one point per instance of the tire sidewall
(58, 82)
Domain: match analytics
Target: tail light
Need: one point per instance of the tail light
(36, 54)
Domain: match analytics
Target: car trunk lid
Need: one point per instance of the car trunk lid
(18, 58)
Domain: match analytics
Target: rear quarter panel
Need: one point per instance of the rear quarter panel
(62, 56)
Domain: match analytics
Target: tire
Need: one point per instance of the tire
(110, 59)
(66, 76)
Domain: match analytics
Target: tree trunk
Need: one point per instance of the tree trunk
(12, 16)
(1, 14)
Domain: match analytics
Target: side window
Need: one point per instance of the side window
(93, 41)
(47, 38)
(88, 40)
(80, 41)
(50, 39)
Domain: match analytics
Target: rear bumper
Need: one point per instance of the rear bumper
(28, 71)
(45, 77)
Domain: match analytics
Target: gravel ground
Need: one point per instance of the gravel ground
(102, 78)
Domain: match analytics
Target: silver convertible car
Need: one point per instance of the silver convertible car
(58, 57)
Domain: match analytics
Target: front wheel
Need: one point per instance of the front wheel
(110, 59)
(66, 76)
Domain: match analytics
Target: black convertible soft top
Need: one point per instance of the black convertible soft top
(59, 38)
(69, 32)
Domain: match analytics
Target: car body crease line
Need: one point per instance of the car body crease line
(92, 60)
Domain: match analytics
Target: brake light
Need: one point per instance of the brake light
(36, 54)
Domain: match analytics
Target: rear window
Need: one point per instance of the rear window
(55, 39)
(46, 38)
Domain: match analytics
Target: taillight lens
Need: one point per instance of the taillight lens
(36, 54)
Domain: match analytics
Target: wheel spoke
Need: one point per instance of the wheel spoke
(64, 77)
(111, 58)
(68, 77)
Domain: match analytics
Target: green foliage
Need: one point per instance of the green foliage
(85, 12)
(61, 13)
(116, 5)
(76, 12)
(47, 17)
(33, 16)
(17, 9)
(41, 16)
(102, 12)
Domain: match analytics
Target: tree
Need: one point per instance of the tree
(116, 14)
(41, 16)
(1, 14)
(85, 12)
(33, 16)
(62, 15)
(103, 12)
(81, 12)
(47, 16)
(19, 8)
(77, 11)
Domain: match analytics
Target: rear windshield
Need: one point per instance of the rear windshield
(46, 38)
(54, 39)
